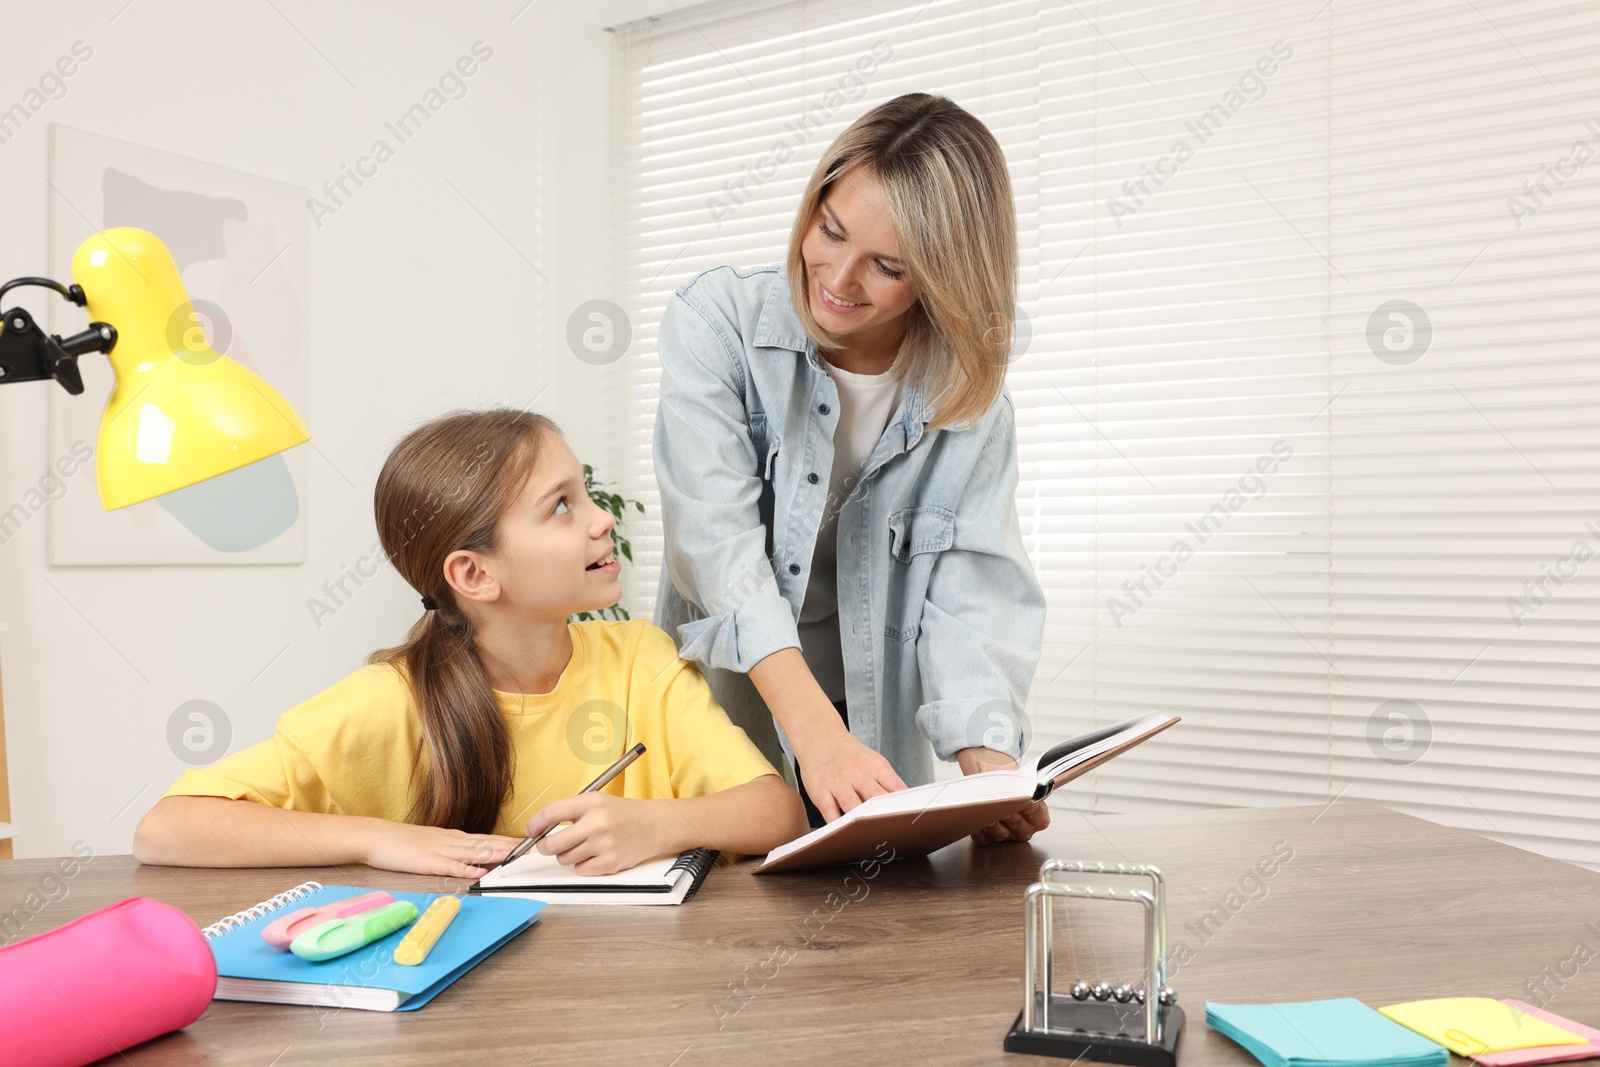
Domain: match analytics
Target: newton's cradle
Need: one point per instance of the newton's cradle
(1097, 1020)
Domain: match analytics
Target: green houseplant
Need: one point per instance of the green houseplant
(616, 505)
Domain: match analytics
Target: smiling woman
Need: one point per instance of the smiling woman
(837, 464)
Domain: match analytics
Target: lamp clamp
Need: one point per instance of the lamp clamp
(28, 354)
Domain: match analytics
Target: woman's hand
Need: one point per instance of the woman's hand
(608, 834)
(1019, 827)
(840, 771)
(398, 846)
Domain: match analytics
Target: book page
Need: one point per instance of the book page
(959, 792)
(1075, 752)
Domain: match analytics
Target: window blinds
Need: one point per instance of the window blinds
(1307, 390)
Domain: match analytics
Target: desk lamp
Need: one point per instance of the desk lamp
(180, 411)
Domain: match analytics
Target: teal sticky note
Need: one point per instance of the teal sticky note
(1323, 1033)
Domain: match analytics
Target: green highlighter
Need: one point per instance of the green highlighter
(336, 937)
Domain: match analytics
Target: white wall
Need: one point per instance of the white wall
(417, 306)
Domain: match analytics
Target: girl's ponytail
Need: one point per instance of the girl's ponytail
(443, 489)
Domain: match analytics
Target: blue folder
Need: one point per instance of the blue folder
(250, 969)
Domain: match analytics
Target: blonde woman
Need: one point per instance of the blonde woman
(837, 464)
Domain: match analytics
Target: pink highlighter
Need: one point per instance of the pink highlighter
(280, 932)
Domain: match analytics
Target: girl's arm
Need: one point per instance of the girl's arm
(610, 834)
(185, 831)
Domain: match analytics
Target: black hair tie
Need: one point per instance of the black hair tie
(429, 604)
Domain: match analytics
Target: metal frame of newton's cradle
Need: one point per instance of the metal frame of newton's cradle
(1142, 1034)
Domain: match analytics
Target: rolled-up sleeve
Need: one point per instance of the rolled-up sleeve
(983, 622)
(710, 481)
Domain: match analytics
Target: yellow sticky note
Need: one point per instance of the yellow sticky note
(1475, 1026)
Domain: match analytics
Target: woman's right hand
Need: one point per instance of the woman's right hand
(840, 771)
(398, 846)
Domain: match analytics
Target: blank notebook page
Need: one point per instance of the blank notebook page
(534, 868)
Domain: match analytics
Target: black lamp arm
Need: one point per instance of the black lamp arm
(28, 354)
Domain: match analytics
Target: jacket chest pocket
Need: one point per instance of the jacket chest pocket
(916, 537)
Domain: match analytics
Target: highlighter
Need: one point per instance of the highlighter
(281, 932)
(339, 936)
(421, 938)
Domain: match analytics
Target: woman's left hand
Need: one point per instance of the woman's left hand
(1019, 827)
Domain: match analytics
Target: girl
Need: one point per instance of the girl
(838, 470)
(431, 758)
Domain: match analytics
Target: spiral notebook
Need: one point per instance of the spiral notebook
(667, 880)
(250, 969)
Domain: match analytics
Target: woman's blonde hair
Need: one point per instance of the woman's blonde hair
(445, 488)
(949, 195)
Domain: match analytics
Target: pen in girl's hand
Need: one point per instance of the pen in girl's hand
(599, 783)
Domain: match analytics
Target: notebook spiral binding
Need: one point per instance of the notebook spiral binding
(693, 859)
(698, 862)
(238, 919)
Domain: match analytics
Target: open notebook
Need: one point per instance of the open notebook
(924, 818)
(250, 969)
(667, 880)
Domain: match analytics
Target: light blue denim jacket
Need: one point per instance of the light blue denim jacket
(940, 613)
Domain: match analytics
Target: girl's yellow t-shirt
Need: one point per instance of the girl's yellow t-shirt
(353, 748)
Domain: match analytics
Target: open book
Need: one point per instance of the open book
(665, 880)
(925, 818)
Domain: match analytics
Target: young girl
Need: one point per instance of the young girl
(432, 758)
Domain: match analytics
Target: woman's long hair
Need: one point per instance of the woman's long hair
(444, 488)
(950, 203)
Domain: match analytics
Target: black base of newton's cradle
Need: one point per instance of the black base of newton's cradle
(1102, 1032)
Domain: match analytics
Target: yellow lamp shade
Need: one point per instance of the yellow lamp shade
(180, 412)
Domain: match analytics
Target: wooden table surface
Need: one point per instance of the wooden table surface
(922, 963)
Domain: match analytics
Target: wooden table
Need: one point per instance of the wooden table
(922, 964)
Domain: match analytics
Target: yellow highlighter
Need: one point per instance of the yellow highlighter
(421, 938)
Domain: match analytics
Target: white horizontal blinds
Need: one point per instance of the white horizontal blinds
(1173, 442)
(1466, 492)
(727, 109)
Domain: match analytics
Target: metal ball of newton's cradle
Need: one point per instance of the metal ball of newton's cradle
(1122, 992)
(1138, 993)
(1080, 990)
(1101, 991)
(1168, 995)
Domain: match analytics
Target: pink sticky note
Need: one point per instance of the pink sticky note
(1522, 1057)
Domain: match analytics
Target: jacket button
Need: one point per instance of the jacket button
(823, 409)
(812, 478)
(794, 568)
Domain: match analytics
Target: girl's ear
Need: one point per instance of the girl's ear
(469, 574)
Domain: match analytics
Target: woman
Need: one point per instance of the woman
(837, 465)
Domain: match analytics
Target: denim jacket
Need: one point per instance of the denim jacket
(940, 613)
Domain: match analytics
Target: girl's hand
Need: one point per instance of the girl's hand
(608, 834)
(841, 771)
(1019, 827)
(398, 846)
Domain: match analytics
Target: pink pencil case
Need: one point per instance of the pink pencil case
(102, 983)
